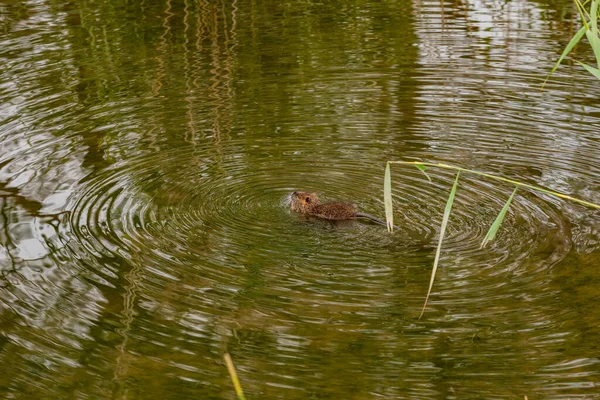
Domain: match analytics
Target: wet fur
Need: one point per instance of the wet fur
(309, 204)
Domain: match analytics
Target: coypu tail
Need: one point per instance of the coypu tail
(372, 218)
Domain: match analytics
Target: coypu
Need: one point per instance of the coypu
(308, 204)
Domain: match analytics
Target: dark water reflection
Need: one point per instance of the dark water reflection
(147, 151)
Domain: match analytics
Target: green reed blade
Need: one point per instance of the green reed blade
(572, 43)
(498, 221)
(387, 198)
(595, 43)
(234, 378)
(592, 34)
(591, 70)
(567, 50)
(594, 16)
(422, 168)
(442, 231)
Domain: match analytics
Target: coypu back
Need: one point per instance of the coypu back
(334, 211)
(309, 204)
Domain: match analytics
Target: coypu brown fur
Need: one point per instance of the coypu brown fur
(309, 204)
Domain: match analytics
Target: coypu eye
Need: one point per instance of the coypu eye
(308, 199)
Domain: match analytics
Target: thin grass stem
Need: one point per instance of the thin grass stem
(499, 178)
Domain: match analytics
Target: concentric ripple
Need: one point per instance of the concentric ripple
(209, 243)
(185, 209)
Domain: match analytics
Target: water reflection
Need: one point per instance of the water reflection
(146, 148)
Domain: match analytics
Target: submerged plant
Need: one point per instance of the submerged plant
(491, 234)
(589, 19)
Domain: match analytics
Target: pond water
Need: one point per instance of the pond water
(147, 151)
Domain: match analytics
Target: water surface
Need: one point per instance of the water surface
(147, 151)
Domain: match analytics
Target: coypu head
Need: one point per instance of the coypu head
(302, 202)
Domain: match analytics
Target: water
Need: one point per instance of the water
(147, 152)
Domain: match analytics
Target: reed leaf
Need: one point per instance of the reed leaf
(591, 70)
(498, 221)
(422, 168)
(442, 231)
(592, 34)
(234, 378)
(567, 50)
(387, 198)
(595, 43)
(594, 16)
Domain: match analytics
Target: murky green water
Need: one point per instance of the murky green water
(147, 149)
